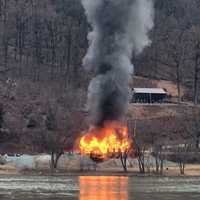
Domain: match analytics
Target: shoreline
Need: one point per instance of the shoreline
(90, 173)
(107, 169)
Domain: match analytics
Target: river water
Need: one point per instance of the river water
(98, 188)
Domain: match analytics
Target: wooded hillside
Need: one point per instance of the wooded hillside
(46, 41)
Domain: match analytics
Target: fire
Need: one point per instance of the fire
(105, 142)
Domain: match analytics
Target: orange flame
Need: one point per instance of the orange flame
(105, 142)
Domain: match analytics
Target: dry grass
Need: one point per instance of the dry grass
(8, 169)
(109, 168)
(147, 111)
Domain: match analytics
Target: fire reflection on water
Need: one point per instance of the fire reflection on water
(103, 188)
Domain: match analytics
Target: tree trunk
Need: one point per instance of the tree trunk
(1, 5)
(58, 155)
(54, 159)
(159, 160)
(5, 36)
(196, 79)
(37, 40)
(197, 141)
(182, 167)
(123, 158)
(69, 43)
(178, 82)
(53, 51)
(161, 167)
(157, 164)
(141, 164)
(52, 162)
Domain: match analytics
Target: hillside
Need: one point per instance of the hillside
(47, 42)
(145, 112)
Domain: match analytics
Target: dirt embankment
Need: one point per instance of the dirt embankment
(147, 111)
(8, 169)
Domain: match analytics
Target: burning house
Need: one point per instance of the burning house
(119, 27)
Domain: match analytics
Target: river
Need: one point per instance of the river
(98, 188)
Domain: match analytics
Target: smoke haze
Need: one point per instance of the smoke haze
(119, 27)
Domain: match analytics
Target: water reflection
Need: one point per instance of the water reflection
(103, 187)
(98, 188)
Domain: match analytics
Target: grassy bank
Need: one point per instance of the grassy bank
(191, 170)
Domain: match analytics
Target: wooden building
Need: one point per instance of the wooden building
(148, 95)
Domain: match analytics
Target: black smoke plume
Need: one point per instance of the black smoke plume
(119, 27)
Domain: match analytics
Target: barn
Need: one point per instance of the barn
(148, 95)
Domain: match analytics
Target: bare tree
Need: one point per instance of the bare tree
(140, 142)
(181, 157)
(192, 128)
(195, 32)
(123, 158)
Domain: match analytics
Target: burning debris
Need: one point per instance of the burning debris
(119, 28)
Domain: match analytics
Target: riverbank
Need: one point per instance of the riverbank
(8, 169)
(191, 170)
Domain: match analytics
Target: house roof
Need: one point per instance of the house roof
(149, 90)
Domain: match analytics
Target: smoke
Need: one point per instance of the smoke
(119, 27)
